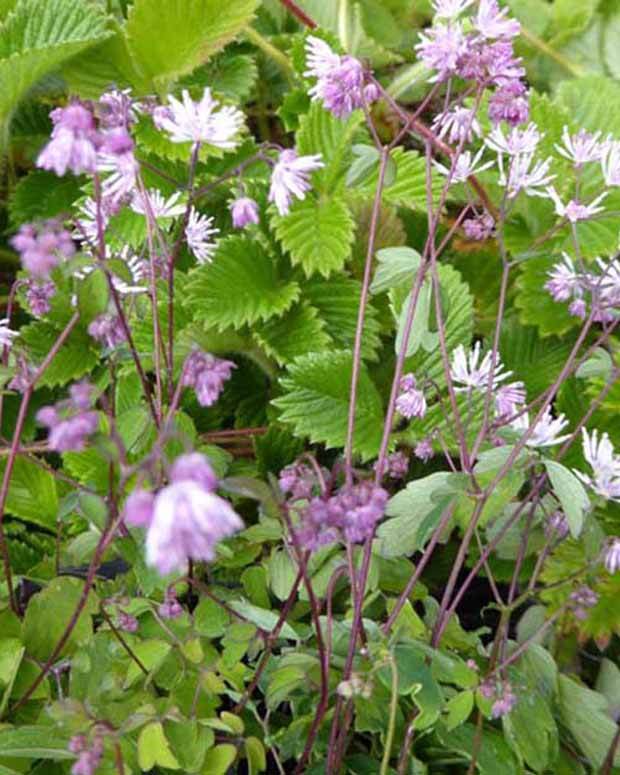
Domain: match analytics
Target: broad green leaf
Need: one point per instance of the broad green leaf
(41, 195)
(210, 619)
(169, 38)
(409, 186)
(189, 742)
(598, 365)
(49, 613)
(75, 358)
(262, 618)
(230, 73)
(283, 682)
(395, 266)
(154, 749)
(316, 400)
(36, 37)
(459, 708)
(151, 654)
(219, 759)
(33, 742)
(32, 493)
(536, 306)
(593, 103)
(11, 653)
(256, 755)
(317, 234)
(282, 574)
(571, 494)
(494, 754)
(299, 331)
(242, 286)
(93, 293)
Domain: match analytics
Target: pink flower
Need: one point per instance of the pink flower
(580, 148)
(244, 211)
(298, 480)
(43, 246)
(424, 450)
(574, 210)
(523, 174)
(509, 103)
(70, 422)
(605, 464)
(107, 330)
(170, 608)
(198, 234)
(410, 401)
(397, 465)
(207, 375)
(464, 166)
(470, 373)
(517, 141)
(441, 47)
(290, 178)
(546, 431)
(509, 398)
(138, 509)
(458, 124)
(74, 141)
(479, 228)
(564, 281)
(612, 556)
(450, 9)
(200, 122)
(493, 23)
(38, 295)
(194, 467)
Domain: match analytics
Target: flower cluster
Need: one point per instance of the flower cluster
(485, 55)
(43, 246)
(38, 296)
(184, 520)
(601, 286)
(349, 515)
(89, 757)
(207, 375)
(605, 464)
(502, 694)
(108, 330)
(340, 80)
(71, 422)
(170, 608)
(298, 481)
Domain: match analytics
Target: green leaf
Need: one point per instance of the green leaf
(283, 682)
(49, 613)
(459, 708)
(11, 653)
(36, 37)
(536, 305)
(317, 233)
(316, 402)
(42, 195)
(395, 266)
(230, 73)
(75, 358)
(598, 365)
(219, 759)
(282, 573)
(210, 619)
(241, 286)
(189, 742)
(154, 749)
(262, 618)
(152, 654)
(33, 742)
(93, 293)
(409, 186)
(256, 756)
(169, 38)
(571, 494)
(299, 331)
(593, 103)
(32, 493)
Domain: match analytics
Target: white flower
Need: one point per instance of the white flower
(580, 148)
(465, 166)
(575, 211)
(546, 430)
(610, 163)
(320, 59)
(158, 206)
(522, 176)
(86, 224)
(605, 465)
(200, 122)
(450, 9)
(470, 373)
(517, 141)
(289, 178)
(459, 124)
(612, 556)
(198, 234)
(6, 334)
(124, 174)
(564, 282)
(493, 23)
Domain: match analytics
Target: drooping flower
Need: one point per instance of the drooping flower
(116, 108)
(605, 464)
(410, 401)
(290, 178)
(546, 431)
(170, 608)
(490, 22)
(458, 125)
(612, 556)
(244, 211)
(465, 165)
(523, 174)
(38, 296)
(423, 450)
(480, 227)
(509, 398)
(156, 205)
(127, 622)
(74, 142)
(188, 521)
(517, 141)
(504, 704)
(441, 47)
(7, 335)
(69, 425)
(397, 465)
(122, 181)
(138, 510)
(509, 103)
(574, 210)
(108, 330)
(580, 148)
(557, 526)
(470, 373)
(200, 122)
(43, 246)
(198, 234)
(207, 375)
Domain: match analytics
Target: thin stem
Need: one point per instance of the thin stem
(301, 15)
(389, 738)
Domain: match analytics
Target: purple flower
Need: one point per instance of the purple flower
(107, 330)
(298, 480)
(557, 526)
(23, 376)
(525, 175)
(289, 179)
(127, 622)
(458, 124)
(517, 141)
(194, 467)
(612, 556)
(410, 401)
(564, 281)
(580, 148)
(88, 759)
(38, 295)
(138, 510)
(441, 48)
(207, 375)
(504, 703)
(479, 228)
(244, 211)
(490, 22)
(74, 141)
(605, 464)
(152, 204)
(397, 465)
(575, 211)
(464, 166)
(170, 608)
(70, 422)
(509, 103)
(423, 450)
(122, 181)
(116, 109)
(198, 233)
(472, 374)
(450, 9)
(188, 521)
(200, 122)
(43, 246)
(610, 163)
(546, 431)
(509, 398)
(583, 599)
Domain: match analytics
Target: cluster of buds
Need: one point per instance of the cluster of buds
(207, 375)
(504, 699)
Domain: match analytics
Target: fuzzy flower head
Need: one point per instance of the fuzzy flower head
(74, 142)
(490, 22)
(450, 9)
(580, 148)
(116, 108)
(470, 373)
(70, 422)
(43, 246)
(120, 184)
(410, 401)
(610, 163)
(457, 125)
(290, 178)
(583, 598)
(464, 166)
(574, 210)
(441, 47)
(38, 296)
(546, 432)
(199, 234)
(509, 398)
(516, 141)
(170, 608)
(397, 465)
(244, 211)
(207, 375)
(509, 103)
(605, 464)
(524, 174)
(108, 330)
(423, 450)
(612, 556)
(564, 282)
(298, 481)
(479, 228)
(88, 758)
(200, 122)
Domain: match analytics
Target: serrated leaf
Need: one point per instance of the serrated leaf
(32, 493)
(395, 266)
(230, 73)
(316, 402)
(74, 359)
(593, 103)
(337, 301)
(36, 37)
(297, 332)
(169, 39)
(409, 186)
(318, 234)
(241, 286)
(42, 195)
